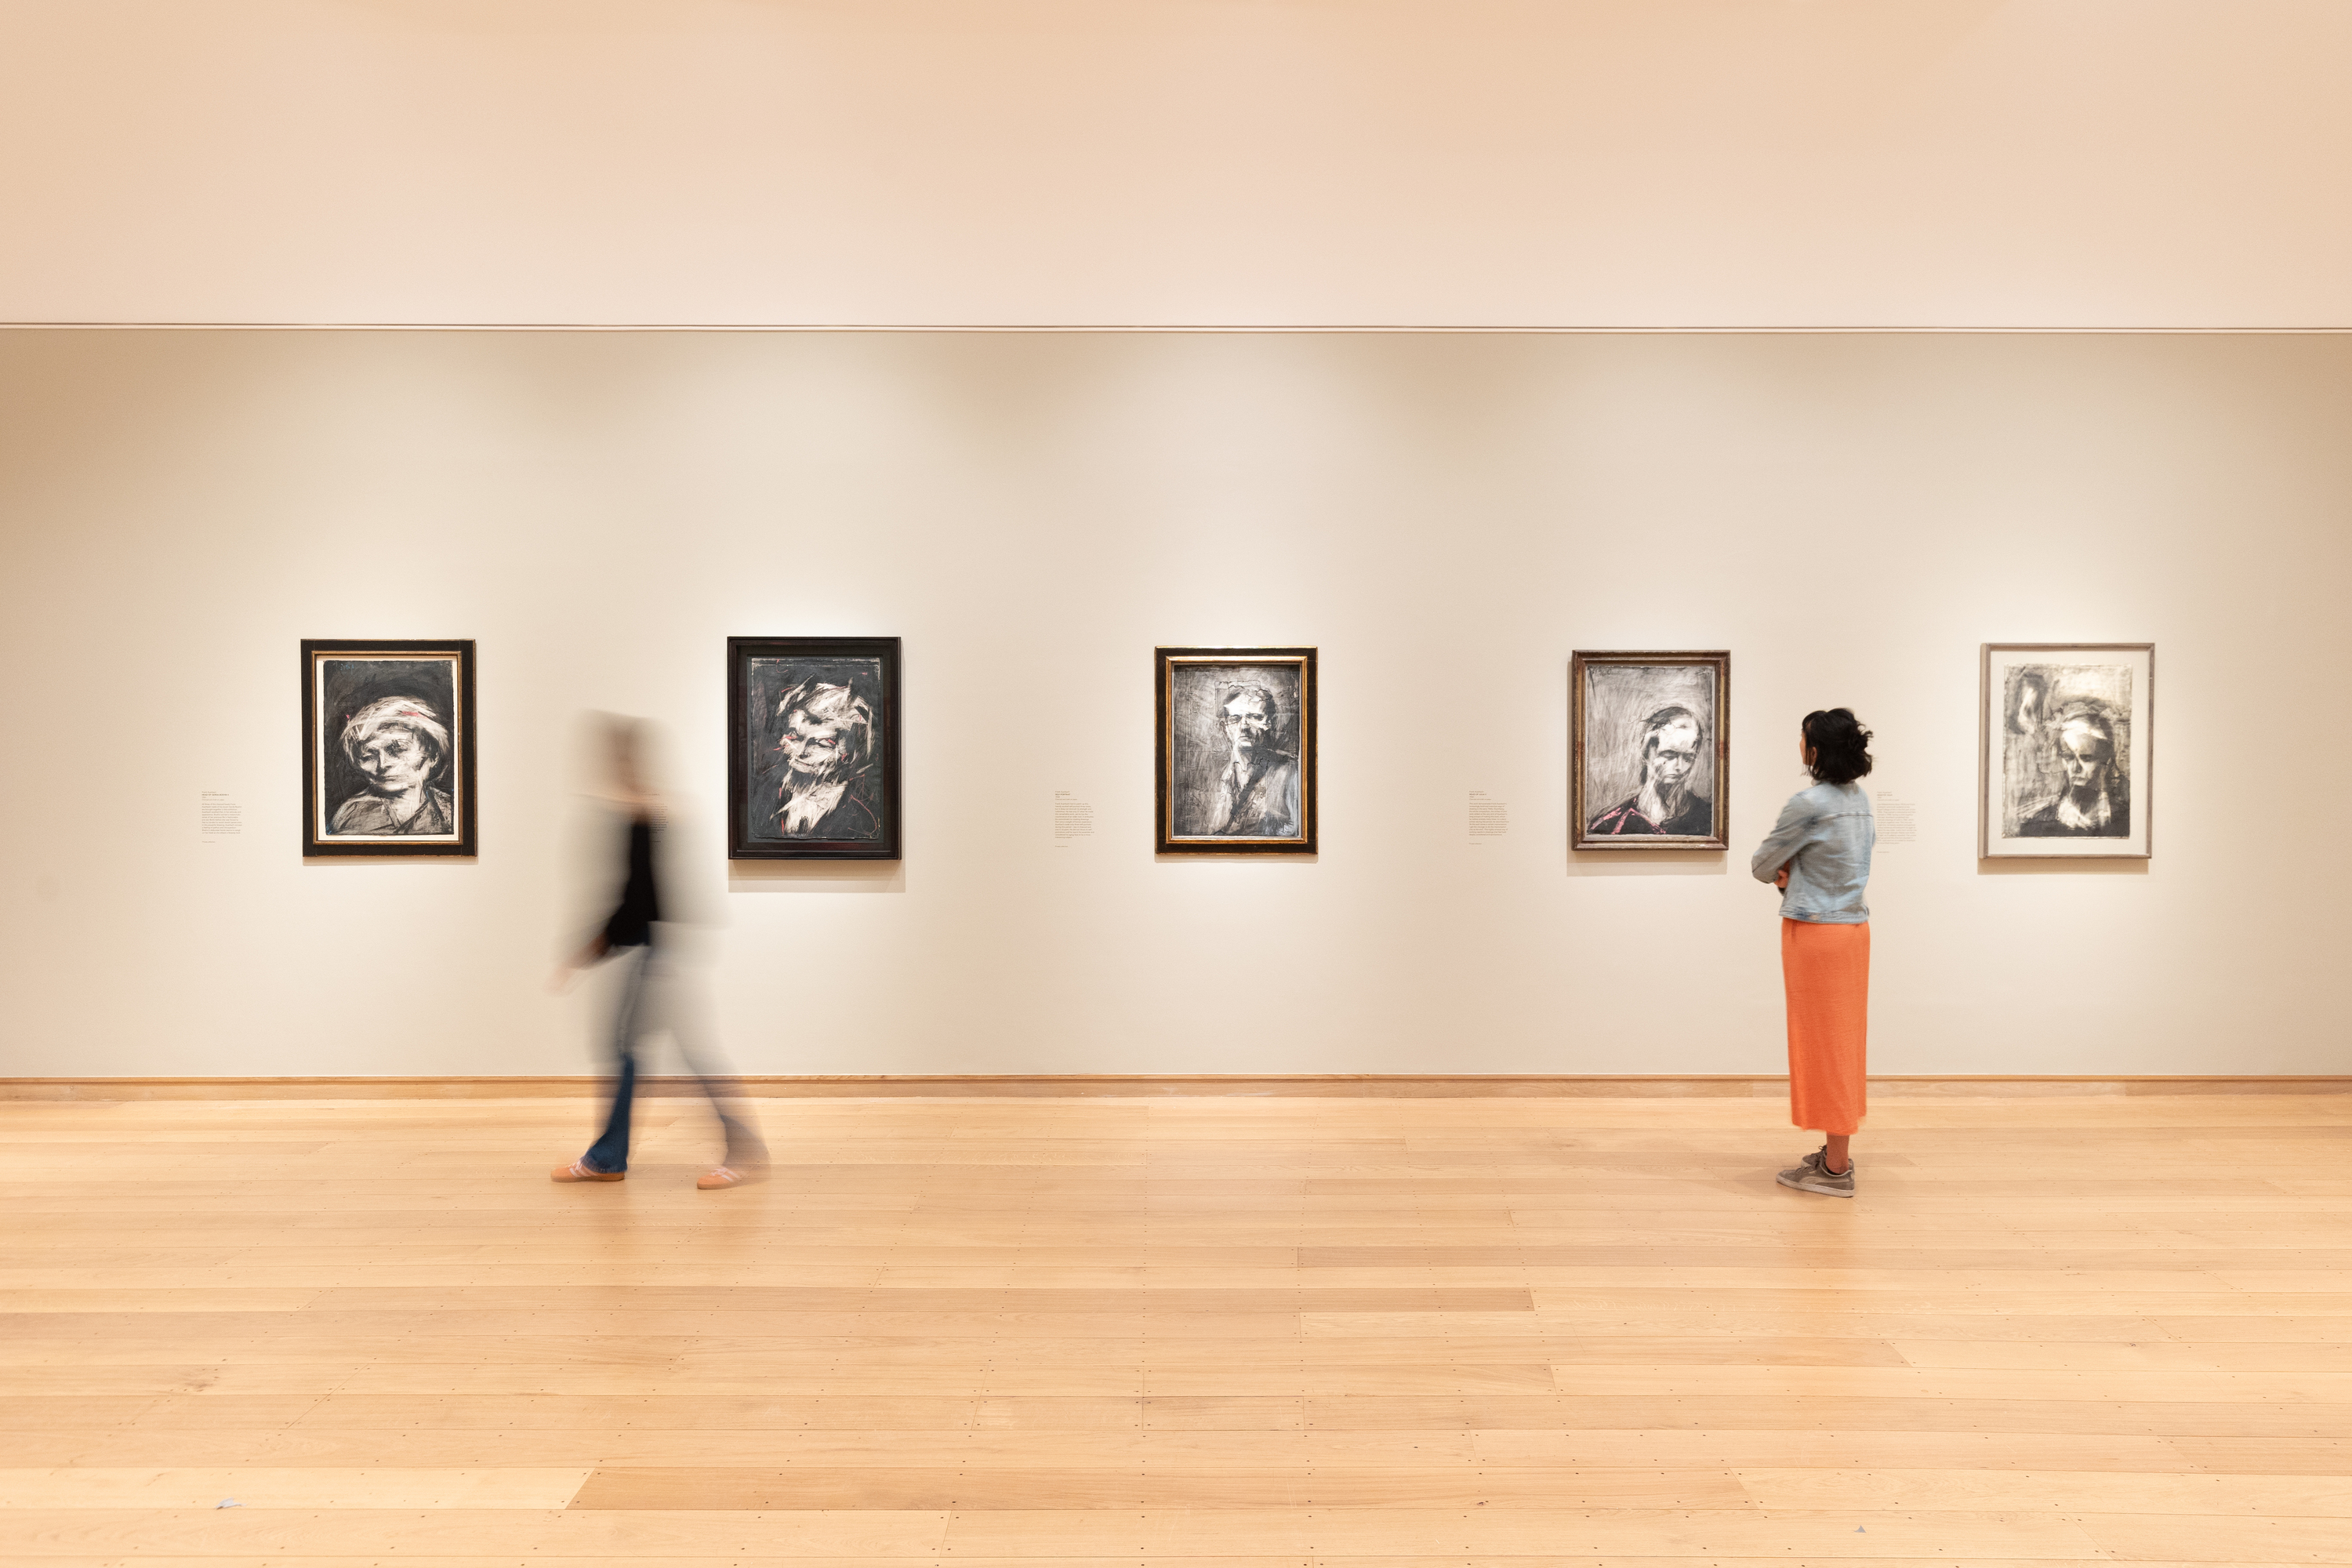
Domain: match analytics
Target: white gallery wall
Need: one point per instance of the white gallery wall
(1515, 163)
(1445, 517)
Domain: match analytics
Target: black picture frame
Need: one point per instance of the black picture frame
(409, 695)
(1193, 815)
(862, 820)
(1621, 697)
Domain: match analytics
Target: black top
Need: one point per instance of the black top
(632, 924)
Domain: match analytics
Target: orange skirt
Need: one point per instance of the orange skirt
(1827, 970)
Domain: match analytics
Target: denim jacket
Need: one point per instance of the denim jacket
(1824, 838)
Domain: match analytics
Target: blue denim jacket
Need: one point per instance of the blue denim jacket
(1824, 838)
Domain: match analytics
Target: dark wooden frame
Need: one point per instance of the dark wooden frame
(740, 845)
(1579, 833)
(461, 729)
(1165, 661)
(2143, 785)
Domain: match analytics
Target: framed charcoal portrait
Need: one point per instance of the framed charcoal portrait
(2066, 744)
(1649, 751)
(1235, 751)
(813, 748)
(387, 747)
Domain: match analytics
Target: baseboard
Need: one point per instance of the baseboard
(1345, 1086)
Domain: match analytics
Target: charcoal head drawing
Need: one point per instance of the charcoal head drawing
(1236, 752)
(385, 753)
(821, 778)
(387, 747)
(2064, 767)
(2067, 731)
(2093, 796)
(1649, 748)
(399, 747)
(1249, 714)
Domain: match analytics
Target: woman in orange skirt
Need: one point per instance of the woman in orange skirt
(1818, 855)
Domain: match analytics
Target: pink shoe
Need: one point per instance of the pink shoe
(724, 1176)
(581, 1170)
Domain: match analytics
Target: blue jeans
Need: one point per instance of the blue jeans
(654, 997)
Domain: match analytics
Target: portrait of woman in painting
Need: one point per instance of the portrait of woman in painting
(400, 748)
(2065, 738)
(387, 747)
(2094, 799)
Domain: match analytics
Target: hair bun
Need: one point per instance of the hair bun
(1841, 746)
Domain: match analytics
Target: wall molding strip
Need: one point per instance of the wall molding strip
(1233, 328)
(1342, 1085)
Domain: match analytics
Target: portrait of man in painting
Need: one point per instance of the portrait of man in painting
(387, 731)
(822, 776)
(2065, 769)
(1648, 732)
(1235, 751)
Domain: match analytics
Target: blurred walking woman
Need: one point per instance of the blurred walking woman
(656, 996)
(1818, 854)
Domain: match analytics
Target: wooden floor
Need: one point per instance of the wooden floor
(1234, 1331)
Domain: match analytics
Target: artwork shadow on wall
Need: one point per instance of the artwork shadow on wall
(387, 747)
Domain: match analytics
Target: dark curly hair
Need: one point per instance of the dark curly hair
(1841, 745)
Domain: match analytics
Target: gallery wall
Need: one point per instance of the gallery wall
(1445, 518)
(1517, 162)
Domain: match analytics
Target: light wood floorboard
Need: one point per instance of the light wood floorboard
(1274, 1334)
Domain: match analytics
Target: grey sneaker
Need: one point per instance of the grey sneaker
(1814, 1177)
